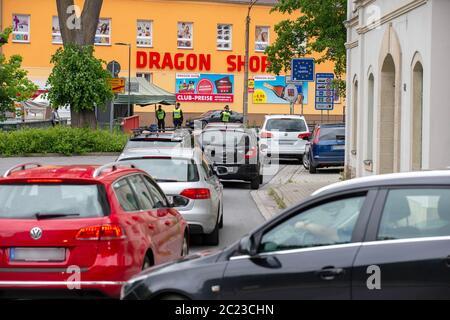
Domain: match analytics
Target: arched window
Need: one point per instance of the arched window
(354, 115)
(370, 117)
(417, 116)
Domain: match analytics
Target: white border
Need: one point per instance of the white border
(144, 38)
(230, 42)
(259, 42)
(192, 38)
(21, 32)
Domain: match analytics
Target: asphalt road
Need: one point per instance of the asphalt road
(240, 212)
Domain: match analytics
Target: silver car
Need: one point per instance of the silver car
(187, 179)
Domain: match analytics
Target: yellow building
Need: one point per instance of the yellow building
(192, 48)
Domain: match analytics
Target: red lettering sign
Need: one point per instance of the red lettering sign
(200, 62)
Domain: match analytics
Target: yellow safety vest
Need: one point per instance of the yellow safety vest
(177, 113)
(160, 114)
(226, 116)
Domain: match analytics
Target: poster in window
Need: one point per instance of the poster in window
(56, 31)
(103, 33)
(185, 35)
(261, 38)
(144, 33)
(21, 28)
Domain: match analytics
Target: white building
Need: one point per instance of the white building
(398, 80)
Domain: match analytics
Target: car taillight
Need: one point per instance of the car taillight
(304, 135)
(105, 232)
(252, 153)
(316, 136)
(266, 135)
(196, 194)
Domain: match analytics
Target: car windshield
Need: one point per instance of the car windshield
(330, 133)
(224, 137)
(152, 143)
(168, 169)
(28, 201)
(286, 125)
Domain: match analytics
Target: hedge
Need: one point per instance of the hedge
(62, 140)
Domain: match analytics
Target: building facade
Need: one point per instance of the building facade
(397, 93)
(192, 48)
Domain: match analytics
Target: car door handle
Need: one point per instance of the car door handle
(330, 273)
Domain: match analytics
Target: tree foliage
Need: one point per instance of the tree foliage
(78, 79)
(14, 84)
(321, 22)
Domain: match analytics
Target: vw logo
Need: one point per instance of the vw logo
(36, 233)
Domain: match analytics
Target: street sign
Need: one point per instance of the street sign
(291, 93)
(302, 70)
(114, 68)
(117, 85)
(251, 85)
(324, 91)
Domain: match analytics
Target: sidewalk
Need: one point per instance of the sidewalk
(291, 185)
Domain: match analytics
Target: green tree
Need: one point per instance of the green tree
(80, 80)
(319, 30)
(14, 84)
(78, 29)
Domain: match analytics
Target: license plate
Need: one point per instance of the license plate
(37, 254)
(338, 147)
(286, 142)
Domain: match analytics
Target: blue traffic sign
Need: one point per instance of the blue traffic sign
(324, 91)
(302, 69)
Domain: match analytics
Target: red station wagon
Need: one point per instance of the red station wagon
(71, 231)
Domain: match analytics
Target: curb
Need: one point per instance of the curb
(60, 155)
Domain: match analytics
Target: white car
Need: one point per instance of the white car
(188, 180)
(284, 136)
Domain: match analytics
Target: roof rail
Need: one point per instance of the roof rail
(22, 166)
(113, 166)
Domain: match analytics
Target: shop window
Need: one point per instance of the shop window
(185, 35)
(103, 33)
(21, 28)
(56, 31)
(147, 76)
(224, 36)
(261, 38)
(144, 33)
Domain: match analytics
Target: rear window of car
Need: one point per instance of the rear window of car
(25, 201)
(286, 125)
(330, 133)
(224, 137)
(168, 169)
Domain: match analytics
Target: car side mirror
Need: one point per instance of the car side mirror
(247, 246)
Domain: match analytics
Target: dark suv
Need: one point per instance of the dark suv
(234, 152)
(327, 147)
(212, 116)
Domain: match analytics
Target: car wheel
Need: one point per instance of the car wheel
(147, 263)
(173, 297)
(254, 184)
(312, 168)
(306, 161)
(221, 221)
(261, 179)
(212, 239)
(185, 246)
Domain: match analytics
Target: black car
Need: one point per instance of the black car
(383, 237)
(233, 151)
(214, 116)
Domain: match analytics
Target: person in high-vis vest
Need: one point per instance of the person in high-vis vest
(161, 117)
(177, 116)
(225, 115)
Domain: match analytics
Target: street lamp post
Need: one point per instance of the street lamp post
(247, 39)
(129, 74)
